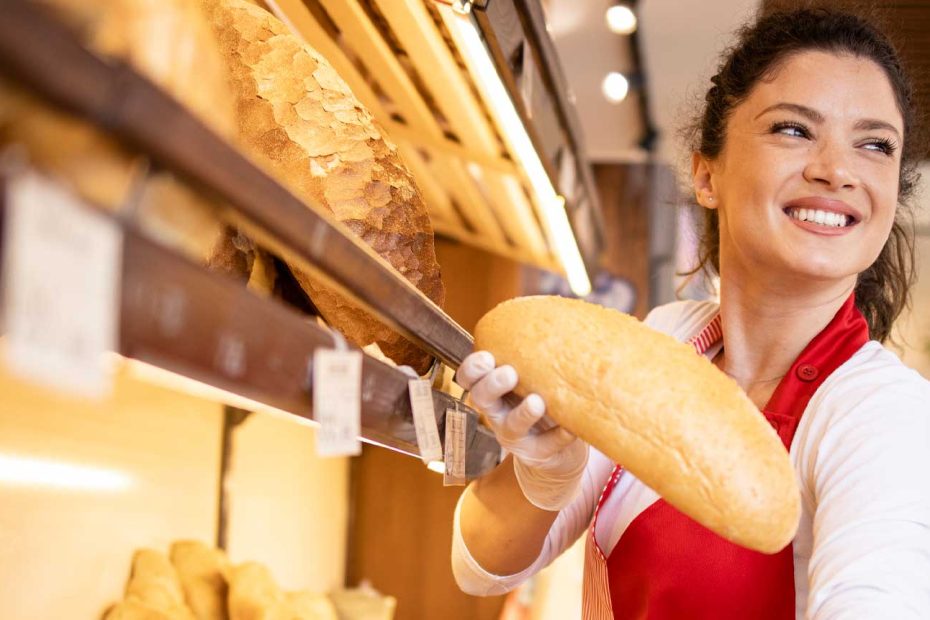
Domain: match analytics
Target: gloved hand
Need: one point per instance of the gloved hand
(549, 464)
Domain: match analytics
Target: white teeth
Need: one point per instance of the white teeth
(824, 218)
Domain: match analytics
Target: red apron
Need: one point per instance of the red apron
(667, 566)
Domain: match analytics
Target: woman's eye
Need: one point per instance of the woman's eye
(795, 130)
(881, 145)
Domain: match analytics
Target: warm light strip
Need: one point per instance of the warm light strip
(31, 472)
(555, 219)
(436, 466)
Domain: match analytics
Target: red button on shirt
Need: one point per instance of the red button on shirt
(807, 372)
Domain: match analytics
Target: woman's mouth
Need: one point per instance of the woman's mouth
(827, 219)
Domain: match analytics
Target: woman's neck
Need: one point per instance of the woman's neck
(765, 328)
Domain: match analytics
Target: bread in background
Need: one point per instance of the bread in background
(153, 591)
(254, 595)
(311, 606)
(202, 571)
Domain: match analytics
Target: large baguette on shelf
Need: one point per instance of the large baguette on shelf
(170, 43)
(652, 405)
(299, 120)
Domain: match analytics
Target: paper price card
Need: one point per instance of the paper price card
(61, 267)
(456, 425)
(337, 406)
(424, 420)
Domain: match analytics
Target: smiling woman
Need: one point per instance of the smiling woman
(810, 89)
(802, 160)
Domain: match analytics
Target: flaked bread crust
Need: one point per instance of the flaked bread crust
(651, 404)
(299, 120)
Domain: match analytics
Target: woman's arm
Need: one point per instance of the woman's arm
(504, 519)
(503, 531)
(871, 527)
(476, 578)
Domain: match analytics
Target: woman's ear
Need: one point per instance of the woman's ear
(701, 179)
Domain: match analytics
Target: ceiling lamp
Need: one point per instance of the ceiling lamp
(621, 19)
(615, 87)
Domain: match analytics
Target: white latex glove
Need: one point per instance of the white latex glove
(548, 465)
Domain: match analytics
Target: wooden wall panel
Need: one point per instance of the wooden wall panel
(288, 507)
(400, 538)
(401, 528)
(624, 191)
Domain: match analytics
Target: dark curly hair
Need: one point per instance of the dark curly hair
(882, 290)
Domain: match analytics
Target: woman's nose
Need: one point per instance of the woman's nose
(829, 165)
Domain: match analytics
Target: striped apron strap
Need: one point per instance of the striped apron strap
(595, 595)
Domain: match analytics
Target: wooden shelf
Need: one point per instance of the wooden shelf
(180, 317)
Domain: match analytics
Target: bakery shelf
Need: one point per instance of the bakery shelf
(180, 317)
(45, 56)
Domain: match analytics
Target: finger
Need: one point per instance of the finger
(488, 391)
(551, 442)
(519, 421)
(475, 366)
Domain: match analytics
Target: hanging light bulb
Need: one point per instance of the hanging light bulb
(621, 19)
(615, 87)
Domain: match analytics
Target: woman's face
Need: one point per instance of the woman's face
(807, 183)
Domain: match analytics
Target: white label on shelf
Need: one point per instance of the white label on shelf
(61, 268)
(455, 448)
(337, 404)
(424, 420)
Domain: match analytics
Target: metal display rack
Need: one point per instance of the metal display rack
(274, 341)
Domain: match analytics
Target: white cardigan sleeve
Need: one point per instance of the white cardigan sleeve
(870, 481)
(571, 523)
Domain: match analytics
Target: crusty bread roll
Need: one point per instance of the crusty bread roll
(657, 408)
(153, 591)
(169, 42)
(300, 121)
(254, 595)
(203, 572)
(311, 606)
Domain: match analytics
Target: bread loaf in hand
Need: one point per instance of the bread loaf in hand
(300, 121)
(654, 406)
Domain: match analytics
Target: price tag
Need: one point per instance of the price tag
(455, 448)
(424, 420)
(337, 406)
(61, 267)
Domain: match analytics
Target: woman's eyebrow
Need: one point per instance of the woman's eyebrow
(867, 124)
(871, 124)
(810, 113)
